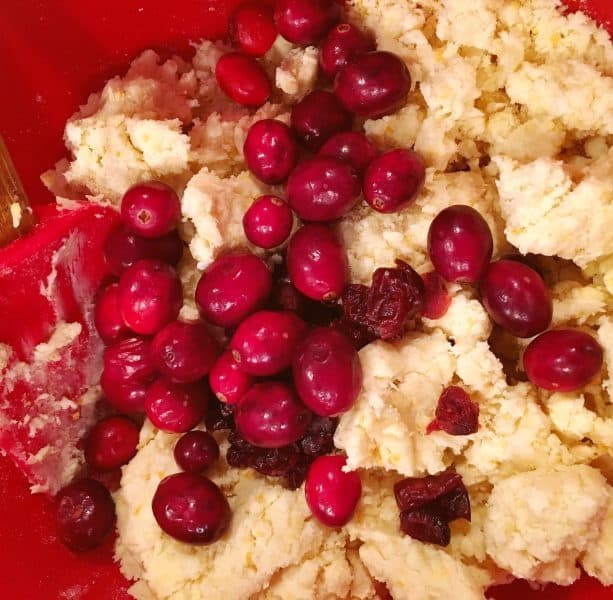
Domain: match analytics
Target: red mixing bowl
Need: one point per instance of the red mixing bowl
(53, 53)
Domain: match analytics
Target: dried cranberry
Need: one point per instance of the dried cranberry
(436, 297)
(252, 28)
(219, 415)
(352, 147)
(426, 525)
(343, 42)
(454, 505)
(319, 438)
(414, 492)
(243, 79)
(456, 413)
(305, 22)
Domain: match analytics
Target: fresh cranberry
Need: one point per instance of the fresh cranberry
(393, 180)
(107, 316)
(243, 79)
(516, 298)
(373, 85)
(426, 525)
(343, 42)
(252, 28)
(175, 407)
(562, 360)
(327, 372)
(316, 262)
(151, 209)
(270, 151)
(184, 352)
(305, 22)
(265, 342)
(352, 147)
(331, 493)
(195, 451)
(234, 286)
(268, 222)
(191, 508)
(270, 415)
(111, 443)
(227, 380)
(415, 492)
(436, 297)
(84, 514)
(460, 244)
(456, 413)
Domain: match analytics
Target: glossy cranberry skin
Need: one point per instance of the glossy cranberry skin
(317, 263)
(343, 42)
(460, 244)
(227, 380)
(393, 180)
(107, 316)
(191, 508)
(268, 222)
(243, 79)
(305, 22)
(373, 85)
(111, 443)
(327, 372)
(270, 415)
(252, 28)
(184, 352)
(265, 342)
(195, 451)
(562, 360)
(332, 494)
(516, 298)
(175, 407)
(232, 288)
(270, 151)
(352, 147)
(436, 297)
(84, 514)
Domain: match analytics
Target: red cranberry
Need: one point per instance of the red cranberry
(393, 180)
(270, 151)
(270, 415)
(195, 451)
(264, 342)
(317, 263)
(252, 28)
(317, 117)
(184, 352)
(227, 380)
(151, 209)
(414, 492)
(305, 22)
(107, 316)
(343, 42)
(352, 147)
(562, 360)
(191, 508)
(243, 79)
(460, 244)
(331, 493)
(327, 372)
(426, 525)
(111, 443)
(84, 514)
(373, 85)
(516, 298)
(175, 407)
(436, 297)
(233, 287)
(268, 222)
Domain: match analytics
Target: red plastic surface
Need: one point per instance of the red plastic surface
(52, 54)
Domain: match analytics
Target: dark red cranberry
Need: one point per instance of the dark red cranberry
(352, 147)
(373, 85)
(151, 209)
(270, 151)
(414, 492)
(343, 42)
(327, 372)
(243, 79)
(460, 244)
(305, 22)
(191, 508)
(270, 415)
(393, 180)
(426, 525)
(516, 298)
(219, 415)
(232, 288)
(319, 438)
(252, 28)
(331, 493)
(436, 297)
(322, 188)
(175, 407)
(268, 222)
(317, 117)
(316, 262)
(184, 352)
(227, 380)
(107, 316)
(562, 360)
(111, 443)
(126, 397)
(195, 451)
(456, 413)
(454, 505)
(265, 342)
(84, 514)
